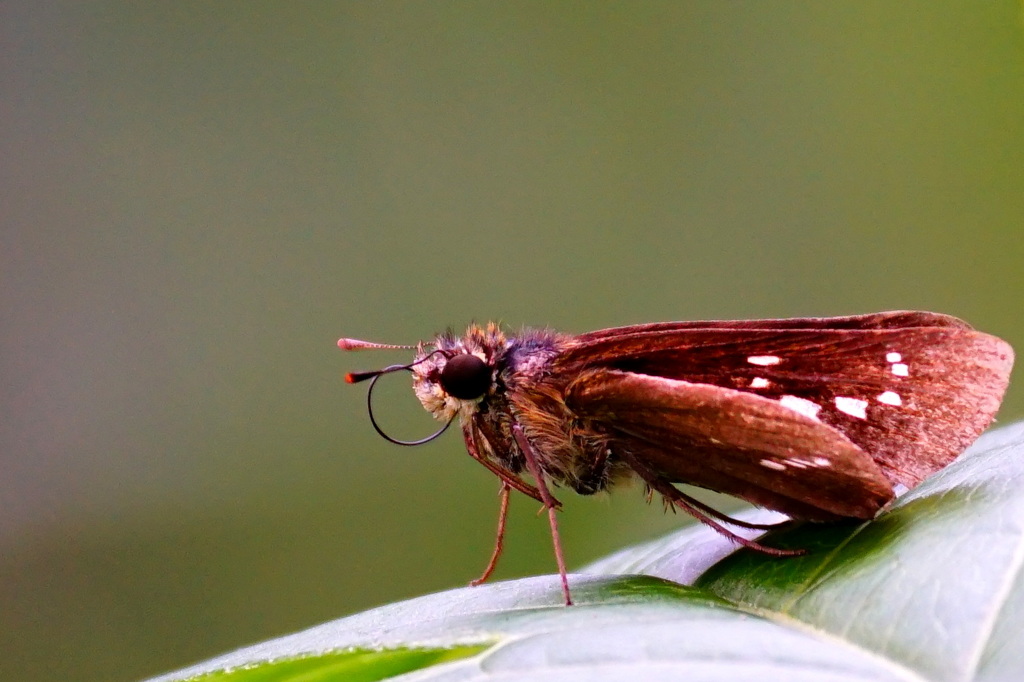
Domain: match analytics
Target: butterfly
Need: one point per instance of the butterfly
(818, 418)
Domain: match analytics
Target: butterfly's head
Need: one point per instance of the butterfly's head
(452, 375)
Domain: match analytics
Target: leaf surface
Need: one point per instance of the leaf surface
(930, 590)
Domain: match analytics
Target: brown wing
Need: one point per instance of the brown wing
(895, 319)
(913, 397)
(733, 442)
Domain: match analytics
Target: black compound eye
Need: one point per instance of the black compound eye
(466, 377)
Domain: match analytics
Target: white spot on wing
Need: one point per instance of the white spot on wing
(821, 462)
(801, 405)
(759, 382)
(772, 464)
(852, 406)
(764, 360)
(900, 370)
(890, 398)
(893, 357)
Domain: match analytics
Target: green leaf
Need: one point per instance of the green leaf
(352, 666)
(934, 584)
(931, 590)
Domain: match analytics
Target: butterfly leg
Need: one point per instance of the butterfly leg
(499, 542)
(509, 481)
(473, 446)
(725, 518)
(698, 510)
(549, 502)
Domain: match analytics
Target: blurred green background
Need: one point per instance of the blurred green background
(198, 199)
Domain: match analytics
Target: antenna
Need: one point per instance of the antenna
(356, 344)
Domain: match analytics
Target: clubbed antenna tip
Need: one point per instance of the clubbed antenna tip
(356, 377)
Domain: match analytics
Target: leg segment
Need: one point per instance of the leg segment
(550, 503)
(698, 510)
(499, 543)
(506, 476)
